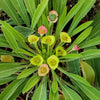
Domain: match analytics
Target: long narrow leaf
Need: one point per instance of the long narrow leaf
(30, 5)
(38, 12)
(80, 28)
(7, 69)
(69, 94)
(23, 52)
(10, 38)
(90, 54)
(53, 96)
(18, 91)
(4, 52)
(27, 72)
(6, 79)
(90, 91)
(81, 37)
(5, 95)
(71, 13)
(31, 82)
(81, 13)
(40, 93)
(10, 31)
(74, 77)
(20, 7)
(7, 6)
(92, 42)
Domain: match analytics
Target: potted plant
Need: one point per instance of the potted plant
(52, 60)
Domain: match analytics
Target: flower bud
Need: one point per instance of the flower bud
(53, 62)
(48, 40)
(60, 51)
(33, 39)
(42, 30)
(53, 16)
(65, 37)
(76, 48)
(36, 60)
(43, 70)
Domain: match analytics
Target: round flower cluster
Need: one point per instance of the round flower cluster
(49, 59)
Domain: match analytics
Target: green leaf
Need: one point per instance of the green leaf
(90, 91)
(81, 28)
(71, 13)
(27, 72)
(89, 54)
(6, 79)
(95, 32)
(62, 6)
(13, 35)
(95, 63)
(81, 37)
(54, 83)
(6, 69)
(18, 91)
(71, 56)
(25, 31)
(7, 6)
(10, 38)
(81, 13)
(69, 94)
(4, 52)
(23, 52)
(74, 66)
(59, 5)
(40, 93)
(62, 17)
(53, 96)
(75, 77)
(30, 5)
(88, 72)
(31, 82)
(20, 7)
(3, 42)
(38, 12)
(89, 43)
(8, 92)
(96, 19)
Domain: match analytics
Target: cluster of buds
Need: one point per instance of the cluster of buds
(52, 61)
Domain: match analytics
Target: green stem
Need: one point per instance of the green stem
(61, 44)
(36, 47)
(48, 48)
(40, 40)
(51, 28)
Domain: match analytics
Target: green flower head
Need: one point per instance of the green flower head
(60, 51)
(33, 39)
(36, 60)
(65, 37)
(48, 40)
(53, 62)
